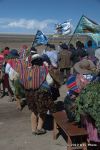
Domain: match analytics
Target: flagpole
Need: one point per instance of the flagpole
(34, 39)
(75, 30)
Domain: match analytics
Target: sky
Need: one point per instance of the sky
(28, 16)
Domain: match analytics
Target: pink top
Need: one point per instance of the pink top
(13, 63)
(1, 60)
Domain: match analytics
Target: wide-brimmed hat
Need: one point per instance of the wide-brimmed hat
(84, 67)
(13, 54)
(97, 53)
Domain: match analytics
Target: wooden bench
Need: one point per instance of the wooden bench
(70, 129)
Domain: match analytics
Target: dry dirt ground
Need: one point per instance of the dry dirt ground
(15, 130)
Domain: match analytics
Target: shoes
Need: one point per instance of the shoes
(39, 132)
(3, 94)
(34, 132)
(23, 104)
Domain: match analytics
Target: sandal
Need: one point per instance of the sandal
(34, 132)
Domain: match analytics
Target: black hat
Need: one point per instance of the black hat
(33, 50)
(51, 46)
(64, 46)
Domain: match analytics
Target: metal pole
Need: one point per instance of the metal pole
(75, 30)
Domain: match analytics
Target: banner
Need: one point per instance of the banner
(64, 28)
(87, 26)
(40, 39)
(95, 37)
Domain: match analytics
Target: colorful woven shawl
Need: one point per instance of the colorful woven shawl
(31, 77)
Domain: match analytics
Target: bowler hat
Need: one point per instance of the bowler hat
(64, 46)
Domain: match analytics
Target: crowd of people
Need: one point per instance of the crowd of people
(34, 79)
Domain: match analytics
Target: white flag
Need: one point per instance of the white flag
(66, 28)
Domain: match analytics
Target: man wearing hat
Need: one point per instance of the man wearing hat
(84, 66)
(85, 72)
(64, 60)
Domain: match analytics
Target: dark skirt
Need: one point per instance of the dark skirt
(6, 83)
(40, 101)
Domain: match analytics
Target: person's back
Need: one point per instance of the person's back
(90, 50)
(64, 60)
(52, 55)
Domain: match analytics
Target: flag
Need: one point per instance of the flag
(64, 28)
(86, 25)
(40, 39)
(95, 37)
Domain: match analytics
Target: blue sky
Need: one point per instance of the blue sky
(27, 16)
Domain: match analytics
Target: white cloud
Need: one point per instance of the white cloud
(31, 24)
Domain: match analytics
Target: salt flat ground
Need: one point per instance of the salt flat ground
(15, 130)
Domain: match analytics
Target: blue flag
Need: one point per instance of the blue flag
(40, 39)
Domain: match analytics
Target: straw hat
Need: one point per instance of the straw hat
(84, 67)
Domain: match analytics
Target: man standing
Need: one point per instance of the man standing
(64, 61)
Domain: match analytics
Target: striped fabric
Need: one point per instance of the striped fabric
(72, 84)
(76, 83)
(31, 77)
(34, 77)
